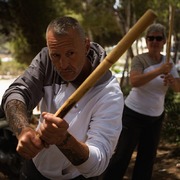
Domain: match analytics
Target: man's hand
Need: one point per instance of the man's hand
(53, 130)
(29, 144)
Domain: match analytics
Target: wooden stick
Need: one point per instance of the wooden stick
(171, 22)
(109, 60)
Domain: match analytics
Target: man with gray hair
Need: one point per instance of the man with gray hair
(80, 145)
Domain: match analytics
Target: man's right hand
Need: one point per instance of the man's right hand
(29, 143)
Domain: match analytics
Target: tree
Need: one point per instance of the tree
(24, 22)
(97, 18)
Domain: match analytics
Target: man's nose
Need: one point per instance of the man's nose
(64, 62)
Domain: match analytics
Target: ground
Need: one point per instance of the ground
(167, 166)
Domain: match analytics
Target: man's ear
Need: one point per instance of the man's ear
(87, 44)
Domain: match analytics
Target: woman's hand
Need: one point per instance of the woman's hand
(168, 80)
(165, 68)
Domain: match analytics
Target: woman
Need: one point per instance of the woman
(150, 77)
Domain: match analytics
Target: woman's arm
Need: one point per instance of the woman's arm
(138, 78)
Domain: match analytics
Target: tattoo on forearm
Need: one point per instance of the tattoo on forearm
(65, 141)
(75, 157)
(16, 114)
(72, 156)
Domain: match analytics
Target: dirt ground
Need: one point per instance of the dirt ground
(167, 166)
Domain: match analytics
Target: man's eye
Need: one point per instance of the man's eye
(55, 56)
(69, 53)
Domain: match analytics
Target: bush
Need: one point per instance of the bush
(171, 125)
(11, 68)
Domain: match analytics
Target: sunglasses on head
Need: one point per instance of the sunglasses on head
(158, 38)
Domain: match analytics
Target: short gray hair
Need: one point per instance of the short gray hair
(156, 28)
(61, 25)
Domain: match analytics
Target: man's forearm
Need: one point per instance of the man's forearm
(16, 114)
(75, 151)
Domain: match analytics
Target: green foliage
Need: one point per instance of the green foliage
(12, 68)
(97, 18)
(25, 23)
(171, 125)
(126, 90)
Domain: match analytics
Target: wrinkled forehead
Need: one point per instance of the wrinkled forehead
(53, 38)
(66, 41)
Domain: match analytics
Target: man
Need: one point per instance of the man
(81, 144)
